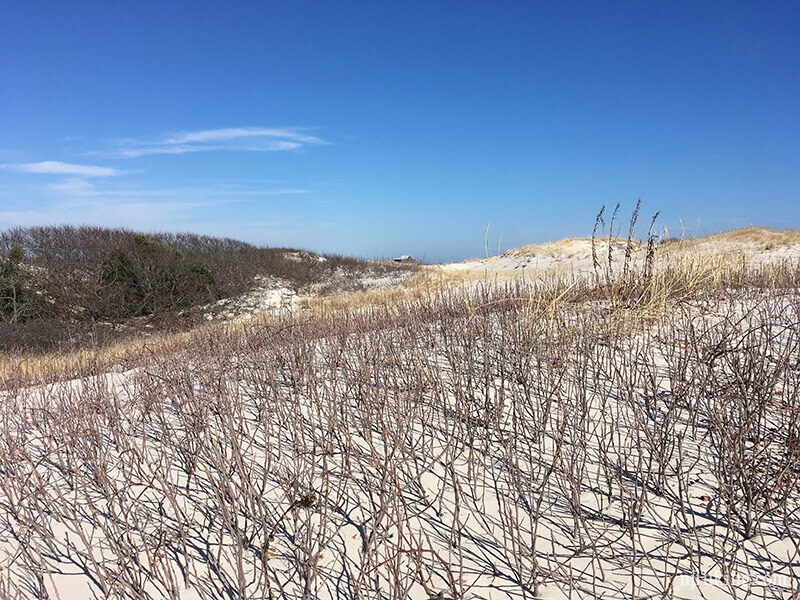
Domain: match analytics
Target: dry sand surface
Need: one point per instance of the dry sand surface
(570, 259)
(755, 246)
(476, 444)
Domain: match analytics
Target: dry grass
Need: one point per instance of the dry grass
(679, 275)
(559, 439)
(766, 238)
(688, 275)
(681, 268)
(624, 434)
(19, 368)
(763, 238)
(430, 280)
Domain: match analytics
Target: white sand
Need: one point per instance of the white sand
(444, 514)
(574, 256)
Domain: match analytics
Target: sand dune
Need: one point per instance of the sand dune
(497, 440)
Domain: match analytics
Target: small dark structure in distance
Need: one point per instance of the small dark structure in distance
(405, 258)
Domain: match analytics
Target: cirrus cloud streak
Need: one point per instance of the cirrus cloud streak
(249, 139)
(56, 167)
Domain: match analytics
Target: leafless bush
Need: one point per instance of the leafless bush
(89, 275)
(525, 438)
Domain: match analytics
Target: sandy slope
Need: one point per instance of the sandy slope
(164, 481)
(167, 479)
(574, 256)
(566, 258)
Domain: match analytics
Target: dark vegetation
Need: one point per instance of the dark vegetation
(62, 285)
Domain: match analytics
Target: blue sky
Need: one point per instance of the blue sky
(379, 128)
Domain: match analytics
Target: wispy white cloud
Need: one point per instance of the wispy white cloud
(55, 167)
(236, 133)
(253, 139)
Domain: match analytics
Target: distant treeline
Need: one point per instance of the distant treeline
(57, 282)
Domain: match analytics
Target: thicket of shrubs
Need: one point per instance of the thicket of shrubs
(57, 283)
(498, 437)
